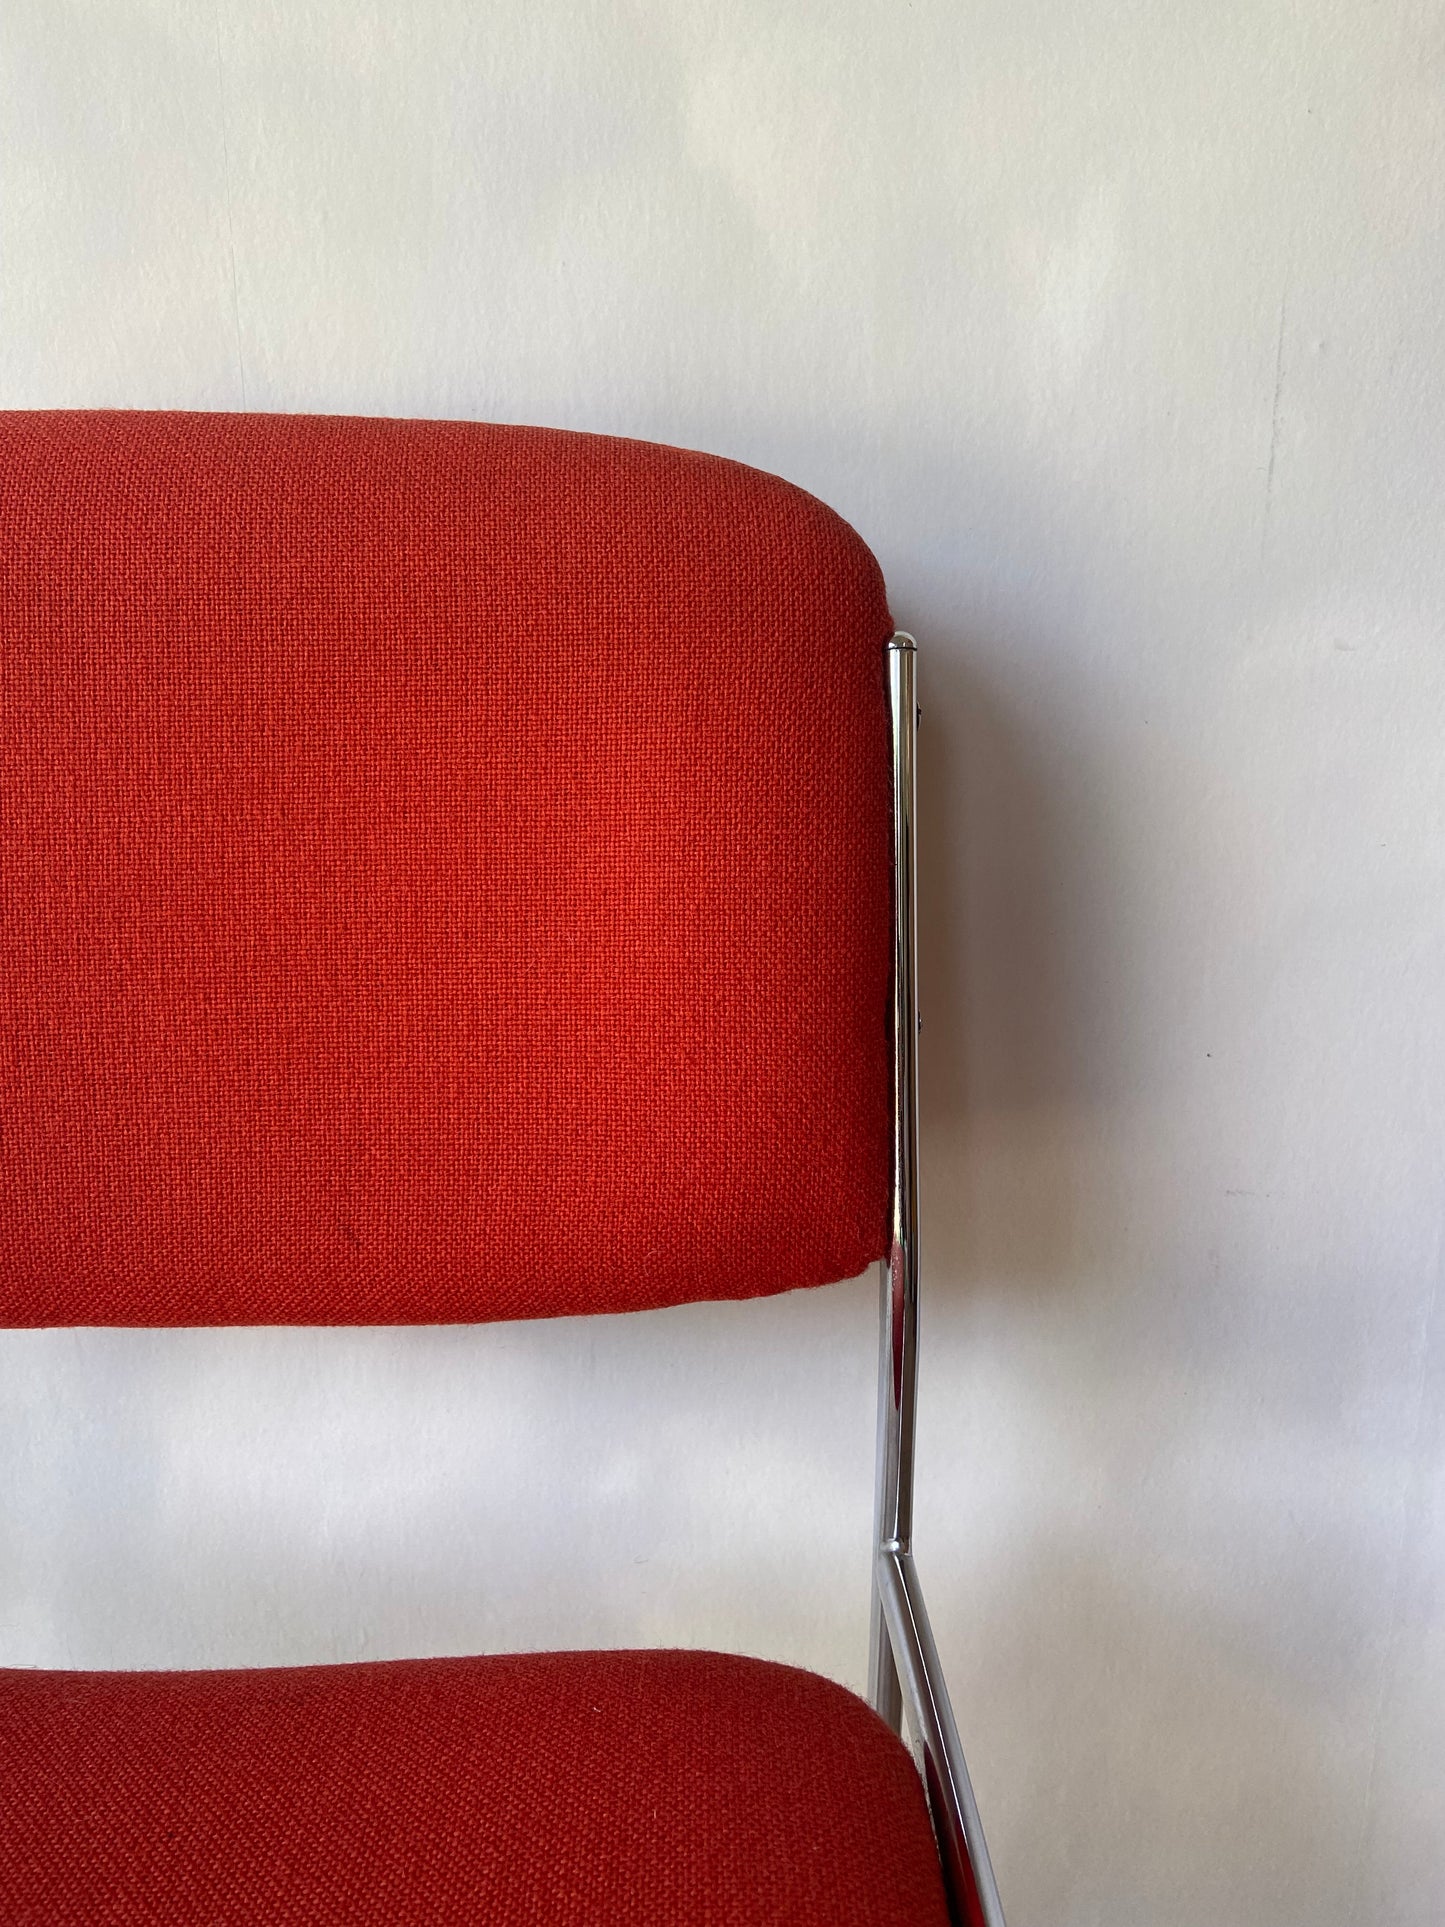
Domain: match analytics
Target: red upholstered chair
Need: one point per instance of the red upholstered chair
(456, 873)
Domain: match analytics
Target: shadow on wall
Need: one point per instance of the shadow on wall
(1138, 1750)
(985, 855)
(1014, 871)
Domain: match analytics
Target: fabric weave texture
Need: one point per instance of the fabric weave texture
(551, 1790)
(445, 874)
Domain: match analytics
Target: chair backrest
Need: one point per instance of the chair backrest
(445, 871)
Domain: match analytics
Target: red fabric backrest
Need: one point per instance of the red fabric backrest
(445, 874)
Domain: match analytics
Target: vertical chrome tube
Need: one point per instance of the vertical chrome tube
(903, 1662)
(898, 1319)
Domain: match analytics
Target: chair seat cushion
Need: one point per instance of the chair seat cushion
(540, 1789)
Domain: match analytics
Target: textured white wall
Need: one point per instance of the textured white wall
(1117, 331)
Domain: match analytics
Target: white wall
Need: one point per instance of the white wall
(1117, 331)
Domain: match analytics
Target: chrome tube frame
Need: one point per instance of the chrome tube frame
(903, 1663)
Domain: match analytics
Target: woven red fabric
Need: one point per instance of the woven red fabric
(651, 1789)
(445, 874)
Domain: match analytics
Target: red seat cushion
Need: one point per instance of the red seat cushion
(527, 1791)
